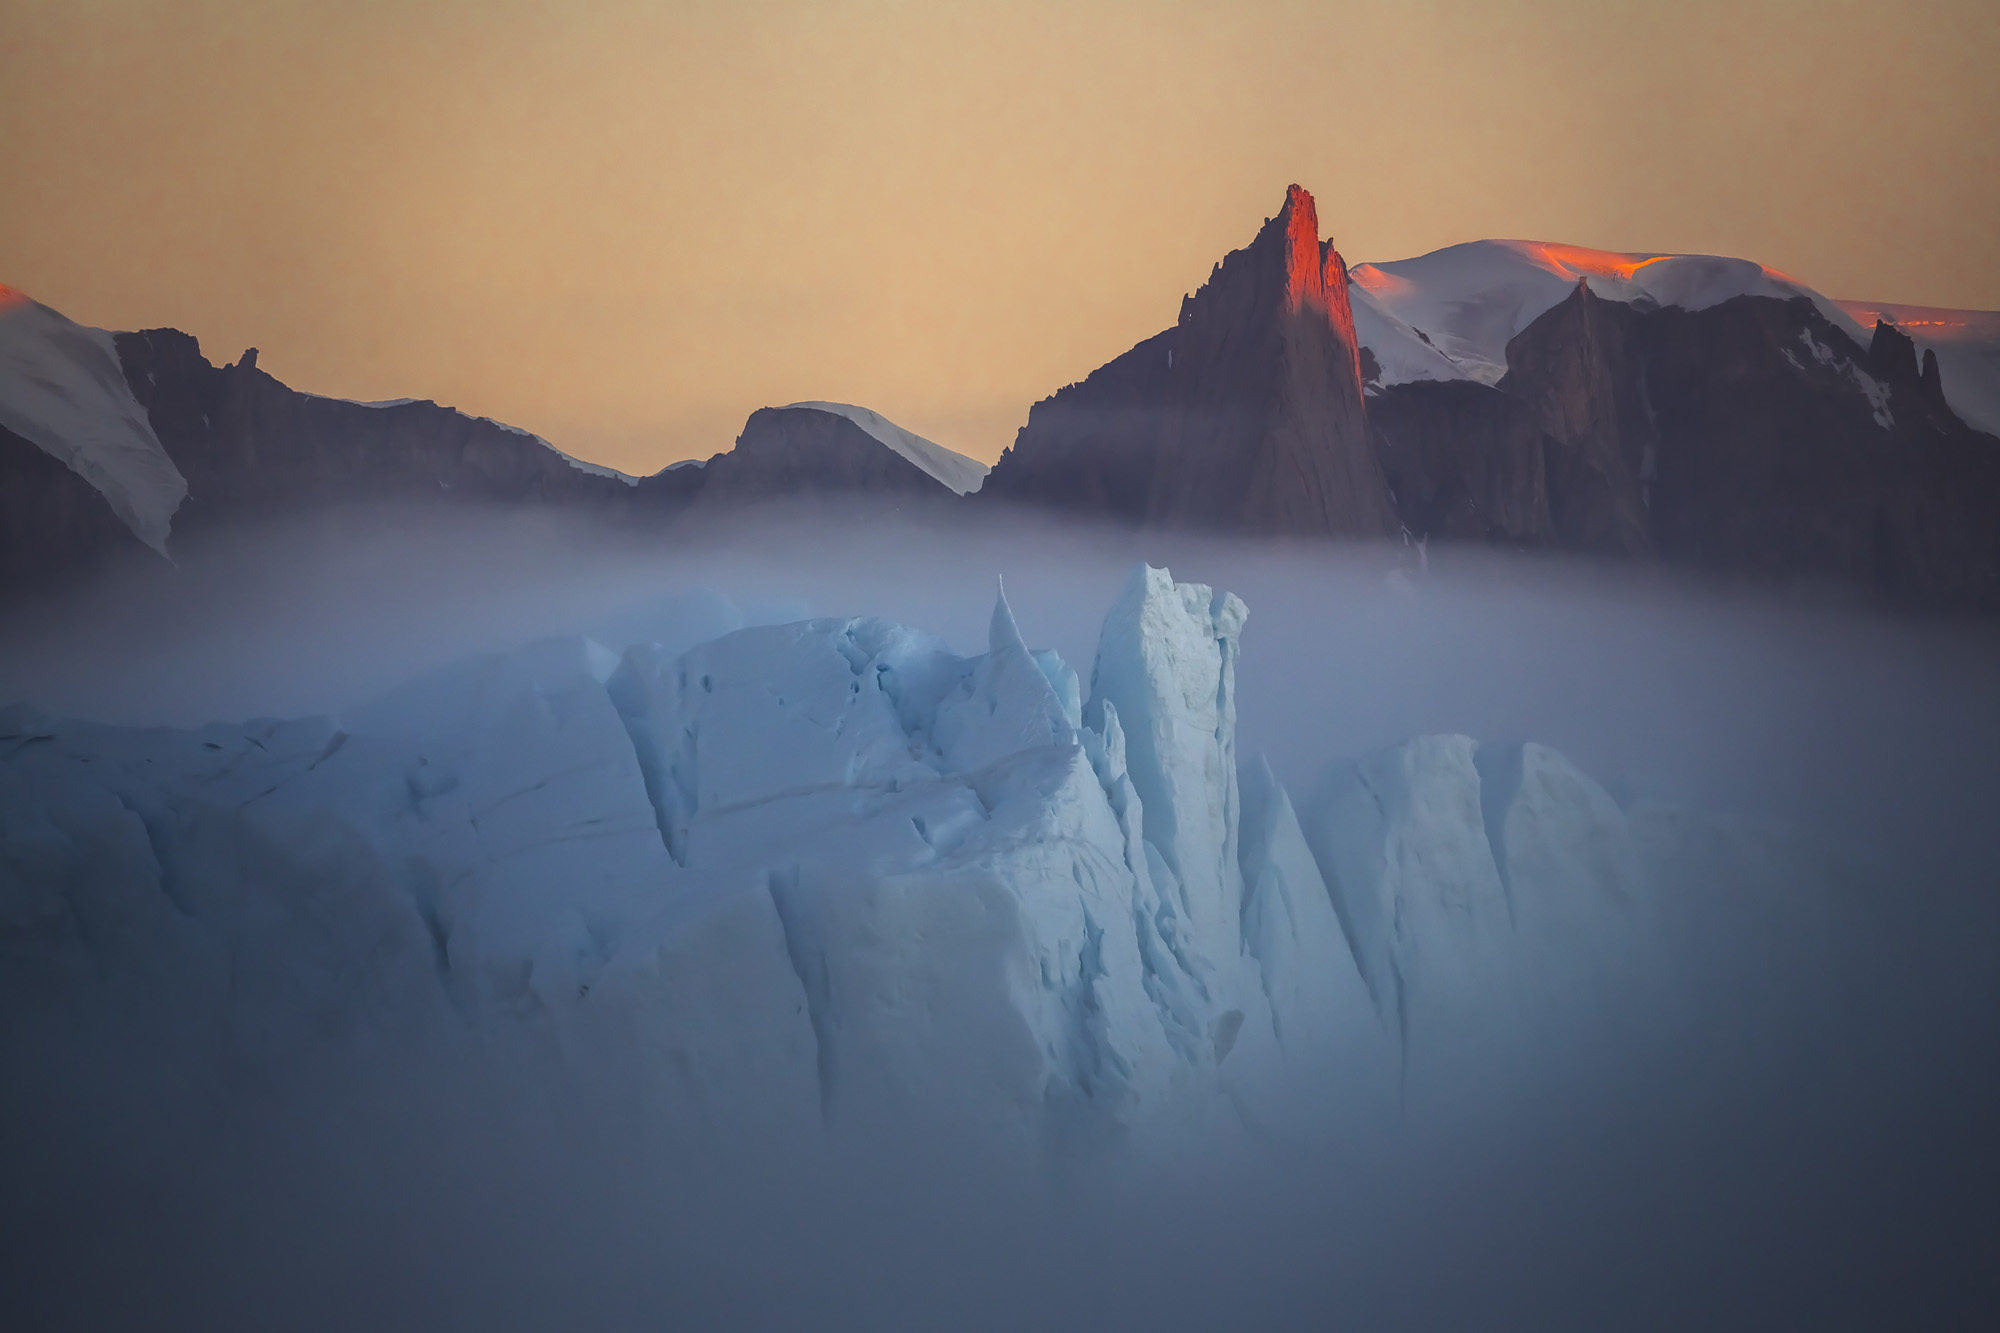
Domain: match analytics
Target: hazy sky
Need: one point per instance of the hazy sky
(627, 225)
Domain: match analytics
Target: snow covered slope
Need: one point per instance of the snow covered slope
(1401, 353)
(1469, 300)
(954, 471)
(804, 875)
(1967, 344)
(61, 388)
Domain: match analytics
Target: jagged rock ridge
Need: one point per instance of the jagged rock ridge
(1710, 413)
(1246, 416)
(243, 448)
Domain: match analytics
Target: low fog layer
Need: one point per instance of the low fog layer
(1794, 706)
(1808, 1144)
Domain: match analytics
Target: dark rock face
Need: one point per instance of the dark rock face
(1577, 371)
(1933, 382)
(1892, 354)
(788, 451)
(1092, 446)
(1786, 450)
(1751, 438)
(251, 447)
(1463, 463)
(1271, 435)
(1246, 416)
(53, 523)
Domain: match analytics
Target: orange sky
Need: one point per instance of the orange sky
(626, 225)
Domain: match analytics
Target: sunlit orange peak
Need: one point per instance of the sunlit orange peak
(11, 297)
(1303, 275)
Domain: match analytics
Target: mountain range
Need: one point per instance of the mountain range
(1709, 413)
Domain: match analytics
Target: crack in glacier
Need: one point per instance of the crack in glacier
(783, 887)
(1499, 768)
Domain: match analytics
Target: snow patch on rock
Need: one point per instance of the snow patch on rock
(62, 388)
(1966, 344)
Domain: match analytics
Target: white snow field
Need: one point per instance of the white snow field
(1449, 314)
(950, 469)
(61, 388)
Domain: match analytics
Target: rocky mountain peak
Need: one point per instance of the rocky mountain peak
(1298, 224)
(1268, 429)
(1933, 382)
(1892, 354)
(1577, 370)
(1246, 416)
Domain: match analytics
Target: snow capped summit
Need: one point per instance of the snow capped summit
(954, 471)
(62, 389)
(1467, 301)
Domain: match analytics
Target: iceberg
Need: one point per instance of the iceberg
(799, 877)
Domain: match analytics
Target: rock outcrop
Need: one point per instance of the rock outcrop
(1702, 411)
(1246, 416)
(790, 451)
(1753, 438)
(252, 447)
(243, 447)
(1463, 463)
(1576, 370)
(1788, 451)
(1271, 434)
(1091, 447)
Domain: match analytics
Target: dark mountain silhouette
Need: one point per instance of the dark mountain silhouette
(254, 450)
(1246, 416)
(1750, 435)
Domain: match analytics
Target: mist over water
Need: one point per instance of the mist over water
(1794, 706)
(1834, 1166)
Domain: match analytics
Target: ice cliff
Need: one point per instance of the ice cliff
(800, 873)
